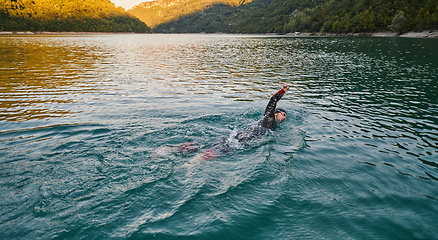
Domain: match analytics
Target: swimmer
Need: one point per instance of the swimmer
(272, 116)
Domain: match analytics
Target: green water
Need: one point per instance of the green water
(85, 122)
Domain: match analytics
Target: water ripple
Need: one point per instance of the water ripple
(82, 119)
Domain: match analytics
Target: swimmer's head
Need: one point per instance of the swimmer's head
(280, 114)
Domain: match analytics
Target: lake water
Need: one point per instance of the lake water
(86, 122)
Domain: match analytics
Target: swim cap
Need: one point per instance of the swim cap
(278, 110)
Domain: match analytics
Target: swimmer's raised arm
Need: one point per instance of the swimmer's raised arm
(272, 113)
(270, 108)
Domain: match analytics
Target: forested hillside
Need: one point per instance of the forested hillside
(284, 16)
(341, 16)
(67, 15)
(160, 11)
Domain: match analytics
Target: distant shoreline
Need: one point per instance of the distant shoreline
(411, 34)
(62, 33)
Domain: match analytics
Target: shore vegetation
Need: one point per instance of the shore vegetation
(67, 16)
(288, 16)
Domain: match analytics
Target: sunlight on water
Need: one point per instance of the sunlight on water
(89, 126)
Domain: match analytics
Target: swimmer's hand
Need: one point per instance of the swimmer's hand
(285, 87)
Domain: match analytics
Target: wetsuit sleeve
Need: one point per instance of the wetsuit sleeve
(270, 109)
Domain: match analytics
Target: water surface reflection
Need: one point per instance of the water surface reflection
(82, 116)
(41, 77)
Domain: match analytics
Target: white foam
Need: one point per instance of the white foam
(232, 140)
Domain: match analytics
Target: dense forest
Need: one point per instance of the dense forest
(67, 15)
(284, 16)
(156, 12)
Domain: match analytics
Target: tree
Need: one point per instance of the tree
(63, 15)
(398, 22)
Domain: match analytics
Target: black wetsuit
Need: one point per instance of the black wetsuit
(255, 130)
(266, 122)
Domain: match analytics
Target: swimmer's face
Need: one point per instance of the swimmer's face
(281, 116)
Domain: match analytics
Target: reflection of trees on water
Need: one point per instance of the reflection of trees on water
(38, 76)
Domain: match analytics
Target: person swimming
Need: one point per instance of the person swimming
(272, 116)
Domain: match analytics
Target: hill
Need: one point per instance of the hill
(343, 15)
(284, 16)
(67, 15)
(162, 11)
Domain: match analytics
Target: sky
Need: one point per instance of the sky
(127, 4)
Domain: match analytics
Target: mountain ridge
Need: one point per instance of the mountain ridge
(286, 16)
(67, 15)
(157, 12)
